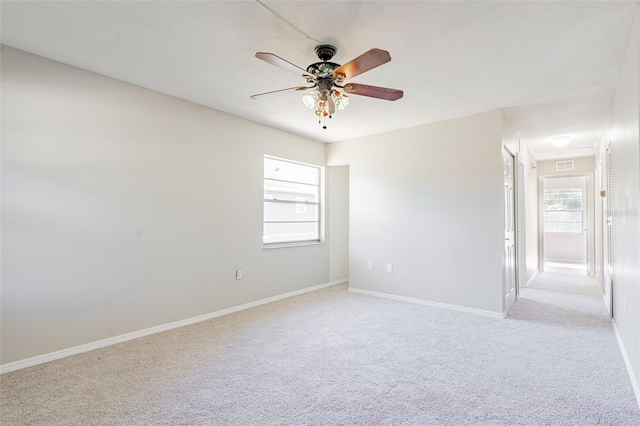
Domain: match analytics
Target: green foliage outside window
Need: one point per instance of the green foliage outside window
(563, 210)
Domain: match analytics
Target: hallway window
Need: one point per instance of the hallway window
(292, 193)
(563, 210)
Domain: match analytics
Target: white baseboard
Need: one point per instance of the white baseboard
(430, 303)
(533, 277)
(41, 359)
(627, 363)
(567, 261)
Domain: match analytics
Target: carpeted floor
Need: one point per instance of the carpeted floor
(336, 358)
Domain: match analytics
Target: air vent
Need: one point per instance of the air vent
(562, 166)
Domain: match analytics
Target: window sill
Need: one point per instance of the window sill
(285, 245)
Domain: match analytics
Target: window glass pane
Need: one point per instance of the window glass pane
(285, 212)
(291, 202)
(563, 216)
(563, 210)
(290, 232)
(283, 170)
(563, 199)
(563, 221)
(562, 227)
(277, 190)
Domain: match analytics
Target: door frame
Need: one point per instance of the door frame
(511, 297)
(590, 218)
(520, 223)
(607, 230)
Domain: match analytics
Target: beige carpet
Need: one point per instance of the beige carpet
(335, 358)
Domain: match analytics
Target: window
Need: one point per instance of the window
(563, 210)
(292, 194)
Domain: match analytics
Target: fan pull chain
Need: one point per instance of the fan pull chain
(323, 121)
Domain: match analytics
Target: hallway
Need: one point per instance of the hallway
(563, 296)
(574, 340)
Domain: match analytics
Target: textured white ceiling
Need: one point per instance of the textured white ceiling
(552, 65)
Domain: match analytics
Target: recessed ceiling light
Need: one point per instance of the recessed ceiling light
(561, 140)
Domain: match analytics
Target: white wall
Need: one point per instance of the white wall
(124, 209)
(624, 136)
(510, 138)
(429, 201)
(565, 248)
(581, 165)
(339, 221)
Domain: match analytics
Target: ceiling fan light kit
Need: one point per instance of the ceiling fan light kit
(326, 79)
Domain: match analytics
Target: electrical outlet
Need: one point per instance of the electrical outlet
(389, 268)
(238, 274)
(370, 265)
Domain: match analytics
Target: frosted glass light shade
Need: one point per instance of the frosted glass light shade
(341, 100)
(311, 99)
(561, 141)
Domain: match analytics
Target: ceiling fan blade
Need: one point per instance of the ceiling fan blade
(280, 92)
(365, 62)
(373, 91)
(272, 59)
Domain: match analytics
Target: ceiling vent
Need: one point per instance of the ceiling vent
(563, 166)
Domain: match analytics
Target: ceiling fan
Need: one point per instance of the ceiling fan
(330, 93)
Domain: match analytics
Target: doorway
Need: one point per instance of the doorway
(509, 278)
(566, 223)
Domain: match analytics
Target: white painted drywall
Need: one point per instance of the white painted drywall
(565, 248)
(581, 165)
(428, 200)
(624, 136)
(124, 209)
(566, 182)
(510, 138)
(338, 178)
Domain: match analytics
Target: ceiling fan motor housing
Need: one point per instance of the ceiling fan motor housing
(325, 51)
(322, 69)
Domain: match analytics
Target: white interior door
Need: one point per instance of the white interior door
(509, 254)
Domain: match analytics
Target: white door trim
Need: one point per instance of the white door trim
(589, 212)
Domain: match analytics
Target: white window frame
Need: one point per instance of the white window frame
(303, 206)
